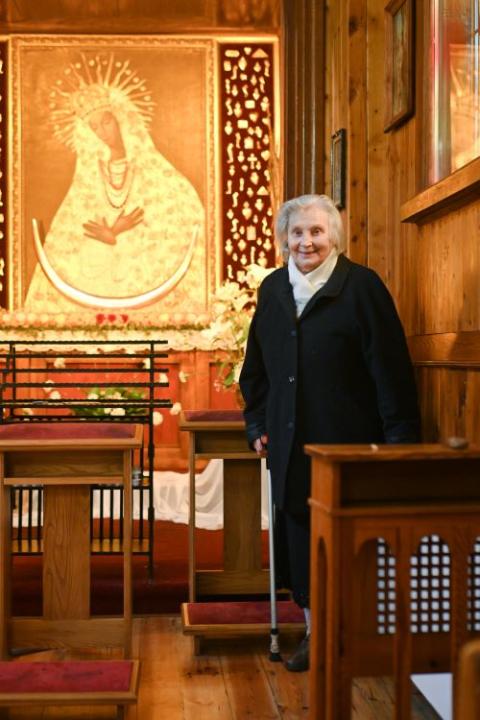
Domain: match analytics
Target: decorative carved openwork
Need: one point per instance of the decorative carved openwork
(248, 156)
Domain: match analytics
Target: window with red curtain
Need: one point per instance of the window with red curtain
(454, 97)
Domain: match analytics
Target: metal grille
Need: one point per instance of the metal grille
(40, 383)
(386, 578)
(430, 586)
(473, 590)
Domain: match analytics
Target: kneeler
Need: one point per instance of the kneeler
(221, 434)
(236, 619)
(81, 682)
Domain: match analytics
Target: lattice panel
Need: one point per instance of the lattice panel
(386, 578)
(473, 592)
(430, 586)
(248, 156)
(3, 170)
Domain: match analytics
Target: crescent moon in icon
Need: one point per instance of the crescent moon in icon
(130, 301)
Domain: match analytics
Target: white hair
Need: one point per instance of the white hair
(325, 203)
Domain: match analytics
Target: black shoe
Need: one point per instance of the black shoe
(299, 662)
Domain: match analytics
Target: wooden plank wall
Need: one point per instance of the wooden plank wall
(432, 268)
(138, 16)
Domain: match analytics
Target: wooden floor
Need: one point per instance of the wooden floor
(232, 680)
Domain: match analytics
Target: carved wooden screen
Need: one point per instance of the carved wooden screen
(248, 156)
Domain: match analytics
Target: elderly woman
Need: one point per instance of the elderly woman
(326, 362)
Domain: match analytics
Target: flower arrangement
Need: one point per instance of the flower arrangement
(232, 309)
(101, 397)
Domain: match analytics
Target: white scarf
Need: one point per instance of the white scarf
(305, 286)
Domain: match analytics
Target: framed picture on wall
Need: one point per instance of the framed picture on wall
(399, 62)
(112, 155)
(338, 167)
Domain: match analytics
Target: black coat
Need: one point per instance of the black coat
(340, 373)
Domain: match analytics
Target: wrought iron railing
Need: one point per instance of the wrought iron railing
(87, 381)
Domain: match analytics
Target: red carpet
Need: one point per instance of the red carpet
(162, 594)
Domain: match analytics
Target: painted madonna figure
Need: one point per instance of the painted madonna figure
(131, 226)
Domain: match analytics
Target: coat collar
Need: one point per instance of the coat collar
(332, 288)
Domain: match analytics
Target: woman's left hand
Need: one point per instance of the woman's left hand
(100, 231)
(127, 222)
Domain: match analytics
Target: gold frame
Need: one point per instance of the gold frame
(24, 52)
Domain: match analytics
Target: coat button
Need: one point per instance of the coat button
(291, 379)
(290, 425)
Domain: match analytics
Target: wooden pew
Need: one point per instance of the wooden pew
(409, 608)
(468, 698)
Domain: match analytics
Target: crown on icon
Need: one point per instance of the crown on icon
(95, 83)
(89, 99)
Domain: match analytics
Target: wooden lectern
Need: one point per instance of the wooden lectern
(67, 459)
(404, 606)
(221, 434)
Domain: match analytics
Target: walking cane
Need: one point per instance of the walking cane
(274, 646)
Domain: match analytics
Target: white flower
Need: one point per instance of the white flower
(163, 377)
(183, 376)
(146, 363)
(240, 302)
(59, 362)
(47, 390)
(92, 396)
(236, 372)
(228, 291)
(114, 395)
(107, 411)
(176, 409)
(256, 274)
(55, 395)
(157, 417)
(118, 412)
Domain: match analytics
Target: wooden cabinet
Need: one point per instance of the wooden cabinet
(409, 609)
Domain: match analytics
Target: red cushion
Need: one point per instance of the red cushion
(242, 613)
(65, 431)
(60, 677)
(213, 416)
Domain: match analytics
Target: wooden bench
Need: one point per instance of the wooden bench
(79, 682)
(468, 698)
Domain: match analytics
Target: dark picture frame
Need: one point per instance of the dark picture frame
(399, 60)
(338, 166)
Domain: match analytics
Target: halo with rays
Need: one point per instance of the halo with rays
(90, 84)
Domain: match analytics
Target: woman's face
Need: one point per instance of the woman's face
(308, 238)
(105, 125)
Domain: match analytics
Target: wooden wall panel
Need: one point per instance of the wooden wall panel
(357, 137)
(304, 79)
(138, 16)
(449, 263)
(450, 403)
(432, 268)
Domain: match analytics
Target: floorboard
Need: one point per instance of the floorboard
(231, 680)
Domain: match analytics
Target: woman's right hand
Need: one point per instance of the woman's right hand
(260, 445)
(106, 234)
